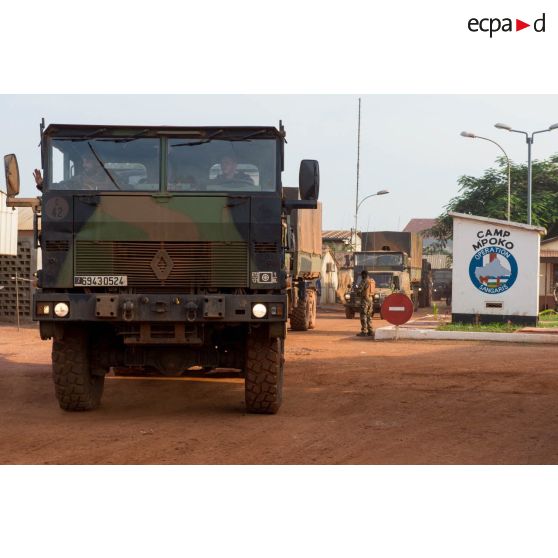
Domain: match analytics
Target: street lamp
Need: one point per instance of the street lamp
(474, 136)
(378, 193)
(529, 140)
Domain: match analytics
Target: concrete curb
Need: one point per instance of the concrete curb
(386, 333)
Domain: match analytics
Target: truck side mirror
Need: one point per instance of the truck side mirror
(11, 170)
(309, 179)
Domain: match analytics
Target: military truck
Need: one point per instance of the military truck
(442, 284)
(164, 248)
(304, 263)
(396, 266)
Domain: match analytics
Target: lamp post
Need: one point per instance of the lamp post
(474, 136)
(529, 140)
(378, 193)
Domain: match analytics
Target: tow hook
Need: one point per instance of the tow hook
(128, 310)
(191, 311)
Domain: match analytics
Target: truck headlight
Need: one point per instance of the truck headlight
(259, 310)
(61, 309)
(376, 297)
(347, 297)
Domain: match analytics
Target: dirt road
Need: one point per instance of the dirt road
(346, 400)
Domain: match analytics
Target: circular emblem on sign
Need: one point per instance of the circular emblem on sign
(265, 277)
(493, 270)
(57, 208)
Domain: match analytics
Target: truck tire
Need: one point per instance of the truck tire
(263, 387)
(313, 303)
(300, 317)
(349, 313)
(75, 387)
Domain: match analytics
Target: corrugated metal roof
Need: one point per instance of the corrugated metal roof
(419, 225)
(549, 253)
(337, 235)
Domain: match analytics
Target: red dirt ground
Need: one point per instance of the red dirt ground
(346, 400)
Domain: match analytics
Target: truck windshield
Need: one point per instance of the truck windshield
(378, 260)
(382, 280)
(441, 275)
(248, 165)
(125, 164)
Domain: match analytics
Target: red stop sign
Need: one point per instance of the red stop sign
(397, 309)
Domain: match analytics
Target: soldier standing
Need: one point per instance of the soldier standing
(366, 290)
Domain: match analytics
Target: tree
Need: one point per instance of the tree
(487, 196)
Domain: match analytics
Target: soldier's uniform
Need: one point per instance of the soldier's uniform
(366, 290)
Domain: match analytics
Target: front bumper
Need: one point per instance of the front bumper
(210, 308)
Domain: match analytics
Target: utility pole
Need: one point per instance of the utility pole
(357, 179)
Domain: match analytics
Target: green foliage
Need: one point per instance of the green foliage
(487, 196)
(548, 318)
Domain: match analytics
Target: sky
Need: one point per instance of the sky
(410, 144)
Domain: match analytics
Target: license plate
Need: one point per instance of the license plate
(100, 280)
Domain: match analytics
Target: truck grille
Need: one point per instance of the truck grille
(176, 264)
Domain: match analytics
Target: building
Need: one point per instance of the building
(8, 228)
(18, 294)
(340, 241)
(548, 273)
(329, 279)
(429, 243)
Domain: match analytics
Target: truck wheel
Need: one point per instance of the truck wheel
(349, 313)
(263, 388)
(313, 310)
(75, 387)
(300, 317)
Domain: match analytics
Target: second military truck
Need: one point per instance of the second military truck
(395, 263)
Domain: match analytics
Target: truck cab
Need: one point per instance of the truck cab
(390, 272)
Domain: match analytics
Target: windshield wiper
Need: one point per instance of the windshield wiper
(250, 135)
(201, 142)
(125, 140)
(103, 166)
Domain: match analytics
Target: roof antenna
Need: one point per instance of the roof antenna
(42, 129)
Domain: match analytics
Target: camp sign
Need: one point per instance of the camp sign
(493, 267)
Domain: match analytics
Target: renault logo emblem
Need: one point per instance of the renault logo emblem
(162, 265)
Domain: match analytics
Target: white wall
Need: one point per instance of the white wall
(519, 242)
(329, 280)
(8, 228)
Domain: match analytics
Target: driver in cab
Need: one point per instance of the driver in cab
(230, 175)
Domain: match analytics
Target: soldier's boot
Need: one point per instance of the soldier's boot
(371, 334)
(361, 334)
